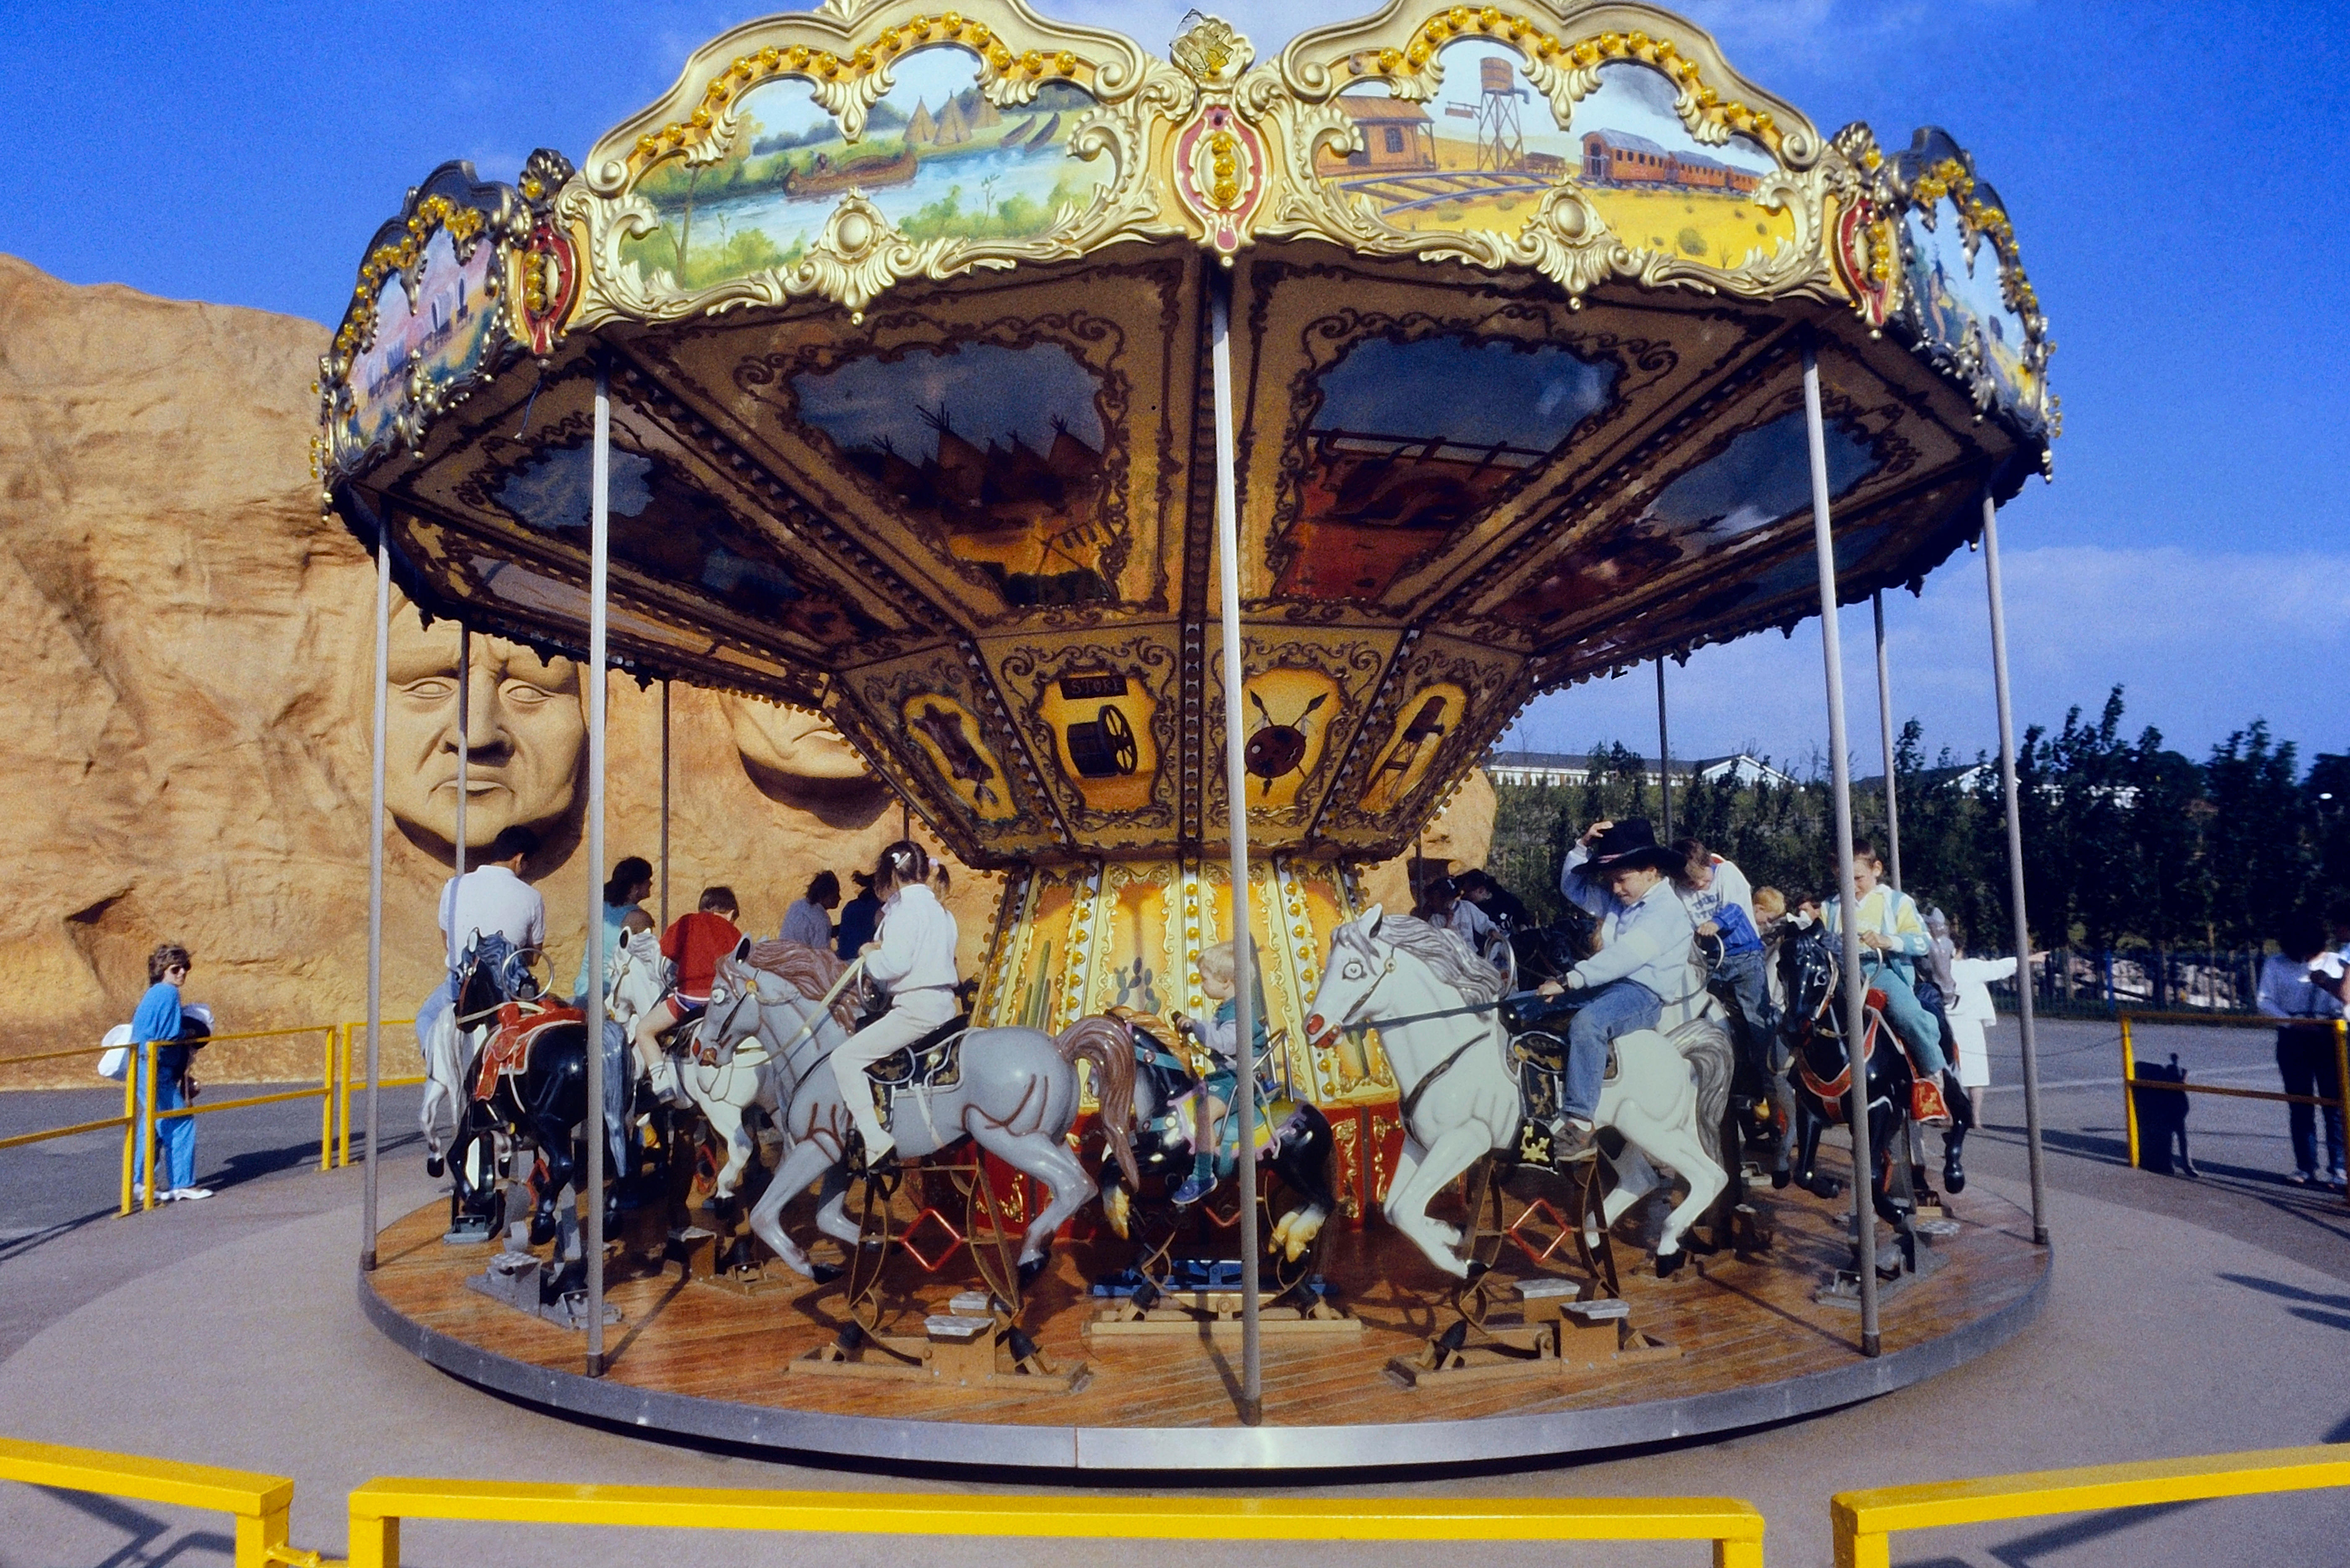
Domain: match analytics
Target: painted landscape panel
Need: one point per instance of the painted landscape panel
(1483, 154)
(937, 157)
(1960, 301)
(445, 328)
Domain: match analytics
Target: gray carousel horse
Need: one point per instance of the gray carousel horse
(1013, 1091)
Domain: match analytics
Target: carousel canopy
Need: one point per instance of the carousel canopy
(905, 320)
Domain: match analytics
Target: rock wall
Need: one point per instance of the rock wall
(185, 754)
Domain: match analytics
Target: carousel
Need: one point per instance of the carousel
(1172, 475)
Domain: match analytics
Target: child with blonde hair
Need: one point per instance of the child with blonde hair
(1219, 968)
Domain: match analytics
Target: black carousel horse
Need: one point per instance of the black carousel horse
(1822, 1077)
(527, 1083)
(1296, 1150)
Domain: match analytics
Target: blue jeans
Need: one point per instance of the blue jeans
(1615, 1009)
(1749, 984)
(175, 1140)
(2306, 1062)
(1919, 1028)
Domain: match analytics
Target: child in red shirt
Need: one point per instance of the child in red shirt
(694, 943)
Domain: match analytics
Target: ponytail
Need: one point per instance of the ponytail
(902, 865)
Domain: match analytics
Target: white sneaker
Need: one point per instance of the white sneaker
(189, 1194)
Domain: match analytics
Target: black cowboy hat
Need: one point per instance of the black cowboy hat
(1629, 843)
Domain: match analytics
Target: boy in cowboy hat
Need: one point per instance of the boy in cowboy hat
(1620, 873)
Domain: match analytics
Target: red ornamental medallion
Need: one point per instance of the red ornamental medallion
(544, 307)
(1853, 229)
(1219, 170)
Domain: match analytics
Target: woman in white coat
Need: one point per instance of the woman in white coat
(913, 958)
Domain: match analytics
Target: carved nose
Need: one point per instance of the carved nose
(1315, 1027)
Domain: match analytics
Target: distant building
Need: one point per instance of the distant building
(1398, 138)
(953, 127)
(1559, 769)
(1619, 158)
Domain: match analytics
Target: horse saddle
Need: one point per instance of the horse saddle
(1546, 1052)
(932, 1062)
(512, 1030)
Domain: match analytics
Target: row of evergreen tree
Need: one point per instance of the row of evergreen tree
(2128, 844)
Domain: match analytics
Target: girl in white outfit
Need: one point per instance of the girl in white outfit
(1970, 1011)
(913, 958)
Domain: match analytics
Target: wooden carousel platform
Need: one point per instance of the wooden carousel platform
(1745, 1340)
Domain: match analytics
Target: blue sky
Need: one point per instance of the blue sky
(2171, 171)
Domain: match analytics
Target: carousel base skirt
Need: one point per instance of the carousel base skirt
(1729, 1341)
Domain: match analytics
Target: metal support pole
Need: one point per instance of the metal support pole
(1855, 990)
(1252, 1400)
(664, 822)
(1885, 729)
(464, 733)
(374, 891)
(1664, 756)
(600, 531)
(2015, 872)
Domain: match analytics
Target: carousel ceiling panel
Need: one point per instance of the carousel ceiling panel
(543, 601)
(1719, 497)
(1402, 424)
(687, 532)
(1011, 446)
(905, 317)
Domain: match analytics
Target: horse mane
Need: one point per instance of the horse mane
(811, 971)
(1447, 953)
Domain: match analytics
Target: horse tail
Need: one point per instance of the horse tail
(1104, 1044)
(1705, 1045)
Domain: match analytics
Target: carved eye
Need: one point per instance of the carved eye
(1354, 970)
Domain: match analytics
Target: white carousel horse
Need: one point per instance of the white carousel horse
(1017, 1097)
(1461, 1100)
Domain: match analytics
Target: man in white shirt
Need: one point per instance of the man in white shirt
(490, 899)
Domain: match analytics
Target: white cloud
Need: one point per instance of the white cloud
(2203, 643)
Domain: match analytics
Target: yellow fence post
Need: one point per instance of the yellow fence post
(2342, 1086)
(129, 1127)
(327, 1102)
(2129, 1087)
(147, 1126)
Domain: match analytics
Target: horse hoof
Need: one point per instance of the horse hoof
(825, 1274)
(1954, 1176)
(1669, 1263)
(1477, 1271)
(1779, 1179)
(433, 1165)
(1032, 1269)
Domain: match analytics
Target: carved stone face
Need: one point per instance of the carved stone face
(527, 734)
(794, 750)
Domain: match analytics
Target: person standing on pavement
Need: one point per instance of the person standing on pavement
(161, 1018)
(2304, 1045)
(809, 919)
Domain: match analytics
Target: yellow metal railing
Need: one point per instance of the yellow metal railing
(2340, 1100)
(1864, 1520)
(355, 1082)
(259, 1503)
(1735, 1528)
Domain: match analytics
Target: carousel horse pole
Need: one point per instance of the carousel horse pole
(1840, 779)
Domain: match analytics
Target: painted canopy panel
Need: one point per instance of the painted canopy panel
(905, 318)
